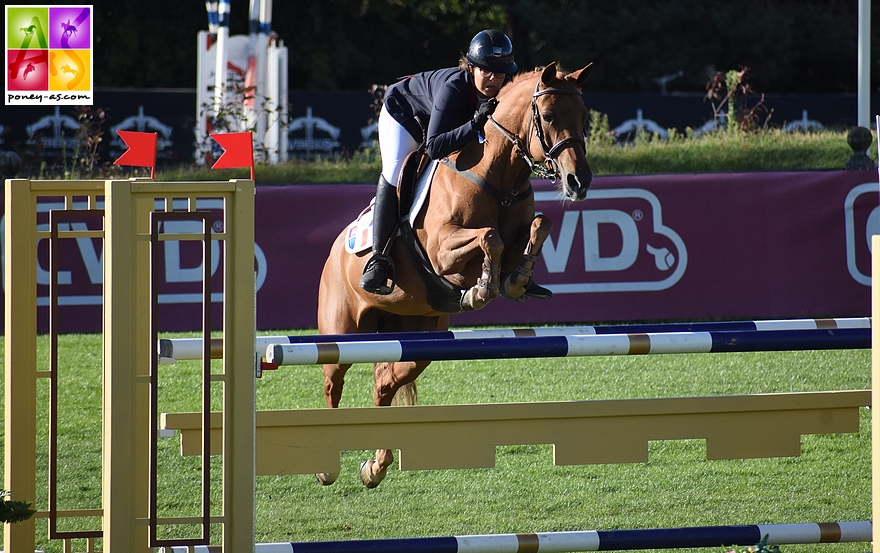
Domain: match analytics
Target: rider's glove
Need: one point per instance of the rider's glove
(484, 110)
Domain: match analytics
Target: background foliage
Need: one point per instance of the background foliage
(793, 46)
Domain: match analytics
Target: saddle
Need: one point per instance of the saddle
(442, 295)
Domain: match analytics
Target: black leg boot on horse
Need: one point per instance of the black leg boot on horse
(378, 277)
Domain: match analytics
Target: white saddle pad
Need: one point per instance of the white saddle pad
(359, 234)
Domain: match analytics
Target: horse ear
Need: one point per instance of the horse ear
(580, 76)
(549, 74)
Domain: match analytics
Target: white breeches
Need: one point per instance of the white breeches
(395, 143)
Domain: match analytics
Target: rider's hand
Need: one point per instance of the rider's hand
(484, 110)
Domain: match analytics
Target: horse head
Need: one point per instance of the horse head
(559, 117)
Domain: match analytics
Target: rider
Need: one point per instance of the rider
(452, 105)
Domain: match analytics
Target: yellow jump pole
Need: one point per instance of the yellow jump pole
(875, 372)
(20, 276)
(126, 360)
(875, 385)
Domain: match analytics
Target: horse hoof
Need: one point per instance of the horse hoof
(327, 478)
(369, 479)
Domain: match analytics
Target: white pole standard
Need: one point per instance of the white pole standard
(220, 69)
(864, 61)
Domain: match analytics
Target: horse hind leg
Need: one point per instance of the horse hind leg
(515, 283)
(392, 380)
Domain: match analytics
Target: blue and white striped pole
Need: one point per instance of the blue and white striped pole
(567, 346)
(213, 18)
(171, 349)
(589, 540)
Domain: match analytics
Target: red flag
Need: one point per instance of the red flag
(238, 150)
(141, 150)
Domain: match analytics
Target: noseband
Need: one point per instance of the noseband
(550, 168)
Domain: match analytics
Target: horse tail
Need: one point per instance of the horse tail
(408, 394)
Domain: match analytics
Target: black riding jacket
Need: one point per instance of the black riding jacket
(444, 101)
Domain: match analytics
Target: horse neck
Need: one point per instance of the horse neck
(500, 156)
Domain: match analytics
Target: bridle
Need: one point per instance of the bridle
(549, 168)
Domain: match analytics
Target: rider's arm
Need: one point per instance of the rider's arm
(451, 124)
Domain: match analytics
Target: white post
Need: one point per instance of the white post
(222, 57)
(864, 61)
(264, 91)
(272, 102)
(204, 93)
(220, 69)
(283, 103)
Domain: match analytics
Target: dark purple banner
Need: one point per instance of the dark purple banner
(659, 247)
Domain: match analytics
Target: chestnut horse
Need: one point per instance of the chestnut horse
(477, 230)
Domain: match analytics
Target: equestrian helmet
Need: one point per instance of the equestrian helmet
(492, 51)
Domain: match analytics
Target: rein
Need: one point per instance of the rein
(549, 169)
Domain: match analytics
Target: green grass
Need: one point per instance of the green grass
(830, 481)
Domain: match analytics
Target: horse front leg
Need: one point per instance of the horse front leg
(391, 379)
(459, 247)
(515, 283)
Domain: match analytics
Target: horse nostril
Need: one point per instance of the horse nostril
(587, 179)
(579, 185)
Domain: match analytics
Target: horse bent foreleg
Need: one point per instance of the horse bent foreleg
(486, 288)
(459, 248)
(514, 285)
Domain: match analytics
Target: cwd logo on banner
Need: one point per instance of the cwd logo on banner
(859, 230)
(637, 251)
(49, 55)
(81, 273)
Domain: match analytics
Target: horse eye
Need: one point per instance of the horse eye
(547, 117)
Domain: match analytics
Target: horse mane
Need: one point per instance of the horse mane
(530, 77)
(518, 80)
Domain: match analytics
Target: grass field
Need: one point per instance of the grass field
(830, 481)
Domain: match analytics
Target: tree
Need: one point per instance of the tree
(793, 46)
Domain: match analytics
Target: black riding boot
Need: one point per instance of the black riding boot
(380, 268)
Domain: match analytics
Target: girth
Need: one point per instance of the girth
(505, 200)
(441, 295)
